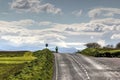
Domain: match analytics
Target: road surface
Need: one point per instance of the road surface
(79, 67)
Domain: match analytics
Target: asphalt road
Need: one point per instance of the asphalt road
(79, 67)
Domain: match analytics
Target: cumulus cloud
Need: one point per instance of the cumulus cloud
(75, 43)
(34, 6)
(105, 12)
(67, 44)
(103, 25)
(101, 42)
(18, 40)
(22, 23)
(14, 27)
(17, 33)
(77, 13)
(93, 27)
(115, 36)
(63, 35)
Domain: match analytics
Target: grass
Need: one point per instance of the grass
(27, 65)
(111, 51)
(13, 61)
(38, 69)
(16, 60)
(5, 68)
(12, 53)
(9, 69)
(27, 57)
(101, 52)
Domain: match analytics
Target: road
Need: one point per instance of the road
(79, 67)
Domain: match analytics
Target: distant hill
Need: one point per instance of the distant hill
(66, 50)
(27, 48)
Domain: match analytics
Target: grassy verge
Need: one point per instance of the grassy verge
(98, 52)
(39, 69)
(13, 63)
(9, 69)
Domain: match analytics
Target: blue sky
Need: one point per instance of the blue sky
(29, 24)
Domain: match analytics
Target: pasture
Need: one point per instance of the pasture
(13, 61)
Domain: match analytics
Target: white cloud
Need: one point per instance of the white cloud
(35, 6)
(115, 36)
(91, 37)
(27, 22)
(106, 12)
(77, 13)
(18, 40)
(63, 35)
(22, 23)
(17, 33)
(67, 44)
(101, 42)
(75, 43)
(16, 27)
(98, 26)
(60, 44)
(103, 25)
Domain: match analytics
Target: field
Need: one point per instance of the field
(39, 69)
(16, 58)
(13, 61)
(8, 69)
(12, 53)
(26, 65)
(99, 52)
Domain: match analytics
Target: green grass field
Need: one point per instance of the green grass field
(26, 65)
(111, 51)
(38, 69)
(101, 52)
(12, 53)
(13, 61)
(27, 57)
(9, 69)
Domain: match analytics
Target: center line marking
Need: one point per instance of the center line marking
(82, 68)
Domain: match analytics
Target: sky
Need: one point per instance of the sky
(29, 24)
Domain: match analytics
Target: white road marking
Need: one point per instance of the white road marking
(56, 77)
(76, 69)
(80, 67)
(88, 77)
(98, 66)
